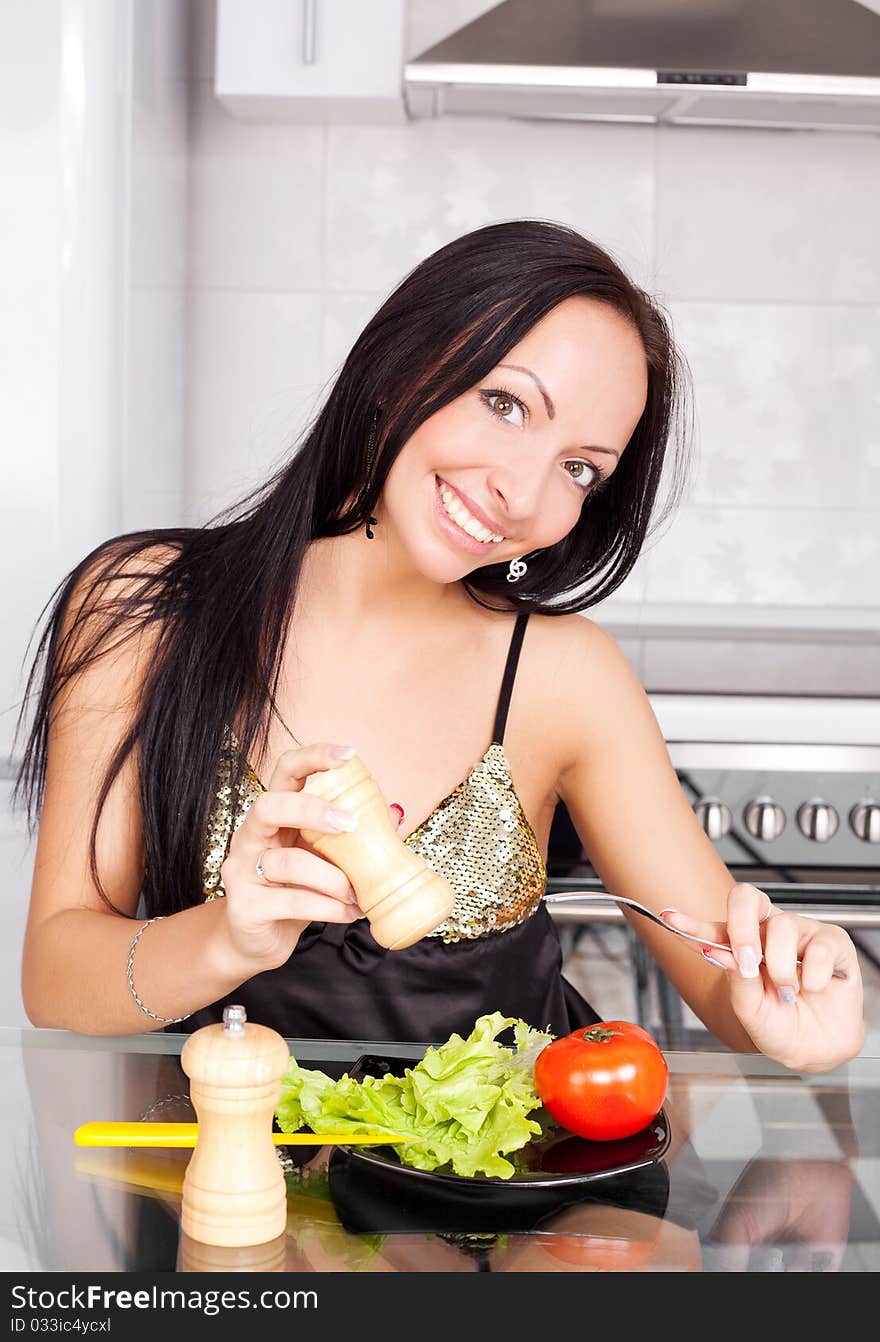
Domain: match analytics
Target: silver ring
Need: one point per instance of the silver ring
(259, 868)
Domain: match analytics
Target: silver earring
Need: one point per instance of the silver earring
(517, 568)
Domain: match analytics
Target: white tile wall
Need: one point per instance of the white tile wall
(853, 397)
(397, 193)
(345, 316)
(154, 459)
(254, 377)
(766, 555)
(256, 216)
(762, 246)
(766, 216)
(782, 397)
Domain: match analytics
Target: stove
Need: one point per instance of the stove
(786, 787)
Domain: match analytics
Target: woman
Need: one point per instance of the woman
(488, 458)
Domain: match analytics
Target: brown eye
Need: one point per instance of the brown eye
(587, 482)
(506, 407)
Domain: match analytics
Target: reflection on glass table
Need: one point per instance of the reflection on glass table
(765, 1171)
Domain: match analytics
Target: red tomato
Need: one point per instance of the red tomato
(603, 1082)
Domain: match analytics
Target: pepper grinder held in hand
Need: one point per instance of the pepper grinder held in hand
(403, 897)
(234, 1191)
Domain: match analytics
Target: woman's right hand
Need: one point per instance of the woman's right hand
(265, 918)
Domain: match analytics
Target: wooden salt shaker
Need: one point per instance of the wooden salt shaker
(401, 895)
(234, 1192)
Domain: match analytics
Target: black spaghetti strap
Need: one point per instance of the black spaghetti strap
(509, 676)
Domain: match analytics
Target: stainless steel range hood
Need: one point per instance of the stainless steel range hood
(785, 64)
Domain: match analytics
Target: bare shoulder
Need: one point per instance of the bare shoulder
(116, 568)
(588, 687)
(570, 639)
(94, 621)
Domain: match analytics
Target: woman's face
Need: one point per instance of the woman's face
(505, 469)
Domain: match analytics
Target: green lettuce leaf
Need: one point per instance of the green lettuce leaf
(468, 1100)
(302, 1098)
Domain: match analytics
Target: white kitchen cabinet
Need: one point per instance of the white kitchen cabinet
(311, 60)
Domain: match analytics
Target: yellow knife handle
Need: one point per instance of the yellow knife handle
(136, 1134)
(109, 1133)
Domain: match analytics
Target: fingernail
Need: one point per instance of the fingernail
(341, 820)
(747, 961)
(396, 806)
(352, 897)
(663, 912)
(712, 960)
(787, 994)
(342, 752)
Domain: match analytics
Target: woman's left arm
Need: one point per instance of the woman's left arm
(644, 841)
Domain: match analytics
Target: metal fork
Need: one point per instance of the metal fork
(594, 896)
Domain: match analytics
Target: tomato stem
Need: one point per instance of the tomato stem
(598, 1034)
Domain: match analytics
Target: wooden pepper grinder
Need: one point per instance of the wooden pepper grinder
(401, 895)
(234, 1192)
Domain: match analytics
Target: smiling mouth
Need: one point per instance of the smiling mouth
(456, 511)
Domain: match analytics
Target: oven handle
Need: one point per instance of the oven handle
(848, 916)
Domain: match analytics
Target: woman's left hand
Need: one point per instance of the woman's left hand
(800, 1015)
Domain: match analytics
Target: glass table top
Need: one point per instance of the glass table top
(766, 1170)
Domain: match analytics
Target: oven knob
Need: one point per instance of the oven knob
(818, 820)
(864, 819)
(765, 819)
(715, 818)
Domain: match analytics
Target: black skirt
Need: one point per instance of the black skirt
(340, 984)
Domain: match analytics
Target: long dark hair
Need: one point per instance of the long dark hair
(220, 596)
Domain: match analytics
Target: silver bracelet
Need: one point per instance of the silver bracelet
(163, 1020)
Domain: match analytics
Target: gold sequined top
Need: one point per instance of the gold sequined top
(478, 837)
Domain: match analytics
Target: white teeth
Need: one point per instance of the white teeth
(453, 505)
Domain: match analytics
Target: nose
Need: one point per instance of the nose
(514, 489)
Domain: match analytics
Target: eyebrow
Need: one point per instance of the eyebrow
(551, 408)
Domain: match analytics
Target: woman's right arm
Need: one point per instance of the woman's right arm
(74, 964)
